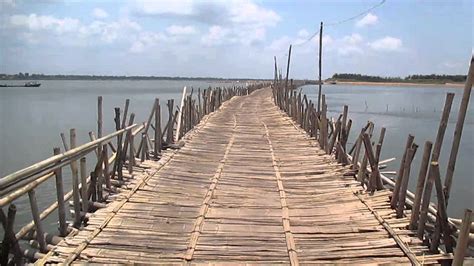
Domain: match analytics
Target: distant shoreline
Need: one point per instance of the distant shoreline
(397, 84)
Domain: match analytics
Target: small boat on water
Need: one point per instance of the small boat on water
(27, 84)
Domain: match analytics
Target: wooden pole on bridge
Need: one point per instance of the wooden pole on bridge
(320, 64)
(458, 131)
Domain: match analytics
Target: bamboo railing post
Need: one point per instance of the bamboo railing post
(143, 151)
(157, 144)
(378, 151)
(37, 221)
(84, 190)
(404, 183)
(320, 65)
(131, 157)
(180, 114)
(441, 215)
(355, 159)
(415, 211)
(169, 134)
(99, 125)
(286, 79)
(117, 163)
(434, 158)
(9, 240)
(398, 182)
(463, 240)
(105, 158)
(75, 182)
(458, 130)
(127, 138)
(60, 198)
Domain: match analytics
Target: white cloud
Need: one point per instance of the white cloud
(215, 35)
(369, 19)
(35, 23)
(353, 39)
(99, 13)
(146, 40)
(182, 7)
(386, 44)
(240, 21)
(303, 33)
(247, 12)
(180, 30)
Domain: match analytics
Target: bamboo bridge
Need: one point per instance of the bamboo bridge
(253, 175)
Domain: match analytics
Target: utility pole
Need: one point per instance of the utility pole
(288, 68)
(320, 65)
(276, 70)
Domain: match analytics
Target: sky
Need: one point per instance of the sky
(234, 38)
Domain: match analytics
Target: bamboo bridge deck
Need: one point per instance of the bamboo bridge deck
(247, 187)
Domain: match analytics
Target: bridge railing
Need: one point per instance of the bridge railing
(429, 220)
(114, 153)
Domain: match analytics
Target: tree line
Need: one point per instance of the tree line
(411, 78)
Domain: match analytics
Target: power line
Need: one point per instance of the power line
(316, 33)
(356, 16)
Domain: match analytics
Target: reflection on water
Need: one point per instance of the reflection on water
(407, 110)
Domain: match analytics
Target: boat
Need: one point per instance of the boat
(27, 84)
(32, 84)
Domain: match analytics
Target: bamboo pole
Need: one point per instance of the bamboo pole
(415, 212)
(441, 215)
(29, 173)
(404, 183)
(158, 138)
(434, 158)
(180, 114)
(9, 241)
(143, 151)
(84, 195)
(127, 138)
(398, 182)
(320, 65)
(169, 134)
(461, 245)
(37, 221)
(458, 130)
(75, 181)
(60, 198)
(105, 157)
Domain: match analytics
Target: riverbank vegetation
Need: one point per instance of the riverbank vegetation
(431, 79)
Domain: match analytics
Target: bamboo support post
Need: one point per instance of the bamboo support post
(9, 243)
(118, 164)
(180, 118)
(442, 226)
(169, 134)
(84, 194)
(144, 144)
(60, 198)
(462, 243)
(405, 178)
(158, 138)
(398, 182)
(127, 139)
(320, 66)
(75, 181)
(458, 130)
(36, 218)
(107, 176)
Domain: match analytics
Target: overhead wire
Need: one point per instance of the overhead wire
(316, 33)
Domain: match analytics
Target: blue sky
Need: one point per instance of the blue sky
(234, 38)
